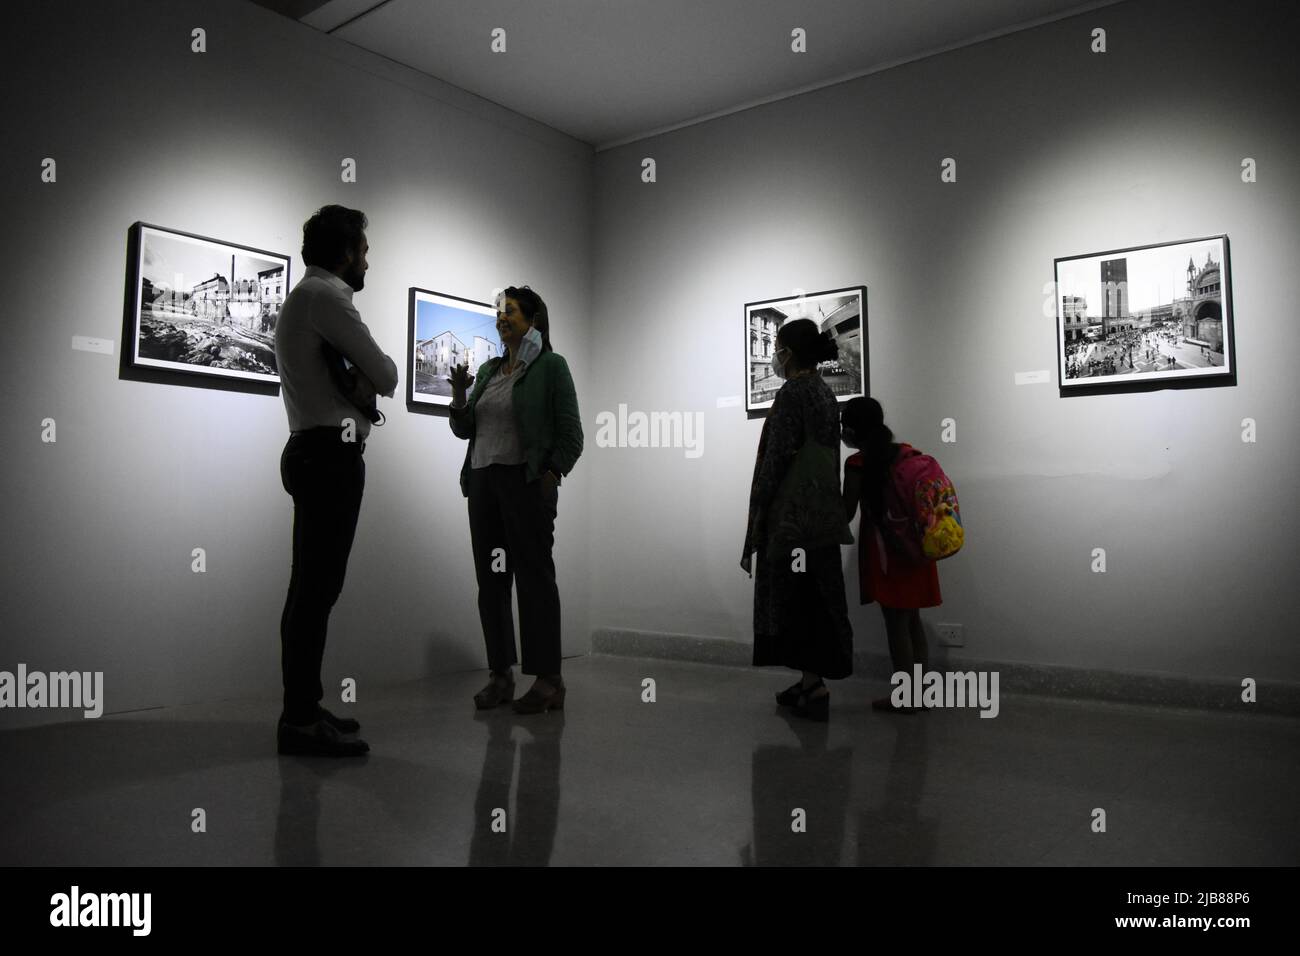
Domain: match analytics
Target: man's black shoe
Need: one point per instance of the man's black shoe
(317, 740)
(344, 725)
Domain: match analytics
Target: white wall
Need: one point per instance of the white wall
(1060, 152)
(243, 143)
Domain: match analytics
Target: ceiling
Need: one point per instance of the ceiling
(612, 71)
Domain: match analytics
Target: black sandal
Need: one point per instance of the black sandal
(790, 696)
(814, 708)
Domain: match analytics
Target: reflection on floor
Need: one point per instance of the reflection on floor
(711, 773)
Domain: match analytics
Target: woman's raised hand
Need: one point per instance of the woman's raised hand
(461, 380)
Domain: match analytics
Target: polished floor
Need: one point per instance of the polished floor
(711, 774)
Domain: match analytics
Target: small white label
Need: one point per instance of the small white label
(1032, 378)
(729, 401)
(83, 343)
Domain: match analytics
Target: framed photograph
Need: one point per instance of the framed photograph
(445, 331)
(203, 306)
(842, 312)
(1147, 316)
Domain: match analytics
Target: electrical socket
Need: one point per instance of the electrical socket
(950, 635)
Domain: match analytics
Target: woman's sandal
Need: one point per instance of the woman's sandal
(500, 690)
(790, 696)
(814, 708)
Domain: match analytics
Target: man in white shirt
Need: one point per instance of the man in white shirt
(322, 465)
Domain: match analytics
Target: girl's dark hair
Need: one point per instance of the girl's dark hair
(328, 236)
(534, 310)
(807, 343)
(866, 419)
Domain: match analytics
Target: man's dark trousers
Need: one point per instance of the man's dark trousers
(326, 477)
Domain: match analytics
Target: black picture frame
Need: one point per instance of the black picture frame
(196, 330)
(842, 310)
(1179, 331)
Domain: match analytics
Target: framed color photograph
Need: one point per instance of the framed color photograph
(445, 331)
(840, 311)
(203, 306)
(1146, 316)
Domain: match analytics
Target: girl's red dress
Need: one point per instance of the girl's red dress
(886, 576)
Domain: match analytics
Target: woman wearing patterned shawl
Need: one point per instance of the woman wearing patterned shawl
(796, 526)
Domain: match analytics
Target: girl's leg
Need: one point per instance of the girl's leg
(920, 651)
(900, 652)
(900, 639)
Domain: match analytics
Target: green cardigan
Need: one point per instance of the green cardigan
(546, 411)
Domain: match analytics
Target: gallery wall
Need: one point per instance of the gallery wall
(1060, 151)
(242, 143)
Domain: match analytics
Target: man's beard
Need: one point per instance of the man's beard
(355, 278)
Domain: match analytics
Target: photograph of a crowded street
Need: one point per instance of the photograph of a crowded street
(1146, 313)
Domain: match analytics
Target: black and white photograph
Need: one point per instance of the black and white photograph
(444, 331)
(842, 312)
(205, 306)
(1145, 315)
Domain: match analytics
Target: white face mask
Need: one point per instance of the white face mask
(531, 345)
(778, 367)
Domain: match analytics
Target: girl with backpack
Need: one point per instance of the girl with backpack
(890, 571)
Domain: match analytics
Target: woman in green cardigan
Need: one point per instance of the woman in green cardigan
(524, 434)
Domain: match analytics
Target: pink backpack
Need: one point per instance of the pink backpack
(922, 519)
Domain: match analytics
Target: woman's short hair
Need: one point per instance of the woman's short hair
(534, 310)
